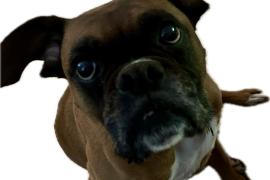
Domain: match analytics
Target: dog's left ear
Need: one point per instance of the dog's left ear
(37, 39)
(193, 9)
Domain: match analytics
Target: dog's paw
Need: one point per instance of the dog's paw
(239, 167)
(255, 97)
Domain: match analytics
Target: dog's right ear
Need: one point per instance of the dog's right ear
(37, 39)
(193, 9)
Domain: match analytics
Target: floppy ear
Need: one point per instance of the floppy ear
(193, 9)
(37, 39)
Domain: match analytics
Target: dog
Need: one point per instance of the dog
(140, 103)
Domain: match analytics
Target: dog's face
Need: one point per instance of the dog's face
(142, 70)
(139, 68)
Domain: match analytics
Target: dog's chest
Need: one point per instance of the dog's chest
(190, 153)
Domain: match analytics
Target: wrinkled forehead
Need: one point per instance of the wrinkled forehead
(116, 18)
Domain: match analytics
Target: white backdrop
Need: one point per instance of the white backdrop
(236, 36)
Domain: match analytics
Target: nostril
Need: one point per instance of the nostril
(154, 73)
(126, 82)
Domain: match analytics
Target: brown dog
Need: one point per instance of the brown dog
(140, 104)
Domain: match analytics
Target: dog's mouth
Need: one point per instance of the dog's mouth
(153, 117)
(149, 114)
(154, 126)
(163, 129)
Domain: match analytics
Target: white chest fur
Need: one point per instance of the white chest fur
(190, 152)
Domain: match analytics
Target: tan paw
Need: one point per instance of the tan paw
(254, 97)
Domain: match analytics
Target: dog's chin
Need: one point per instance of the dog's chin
(166, 138)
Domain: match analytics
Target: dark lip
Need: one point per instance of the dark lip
(151, 118)
(154, 108)
(163, 112)
(149, 113)
(154, 112)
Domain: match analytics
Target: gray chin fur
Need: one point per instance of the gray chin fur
(156, 141)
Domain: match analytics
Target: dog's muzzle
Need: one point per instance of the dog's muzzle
(151, 110)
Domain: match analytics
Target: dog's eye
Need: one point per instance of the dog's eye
(170, 34)
(86, 70)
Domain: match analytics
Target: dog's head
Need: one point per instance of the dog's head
(136, 66)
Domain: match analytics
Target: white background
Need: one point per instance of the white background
(236, 36)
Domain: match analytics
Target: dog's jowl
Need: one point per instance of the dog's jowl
(140, 104)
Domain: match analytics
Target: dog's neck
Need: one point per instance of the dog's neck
(104, 163)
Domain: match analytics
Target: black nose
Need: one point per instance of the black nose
(140, 76)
